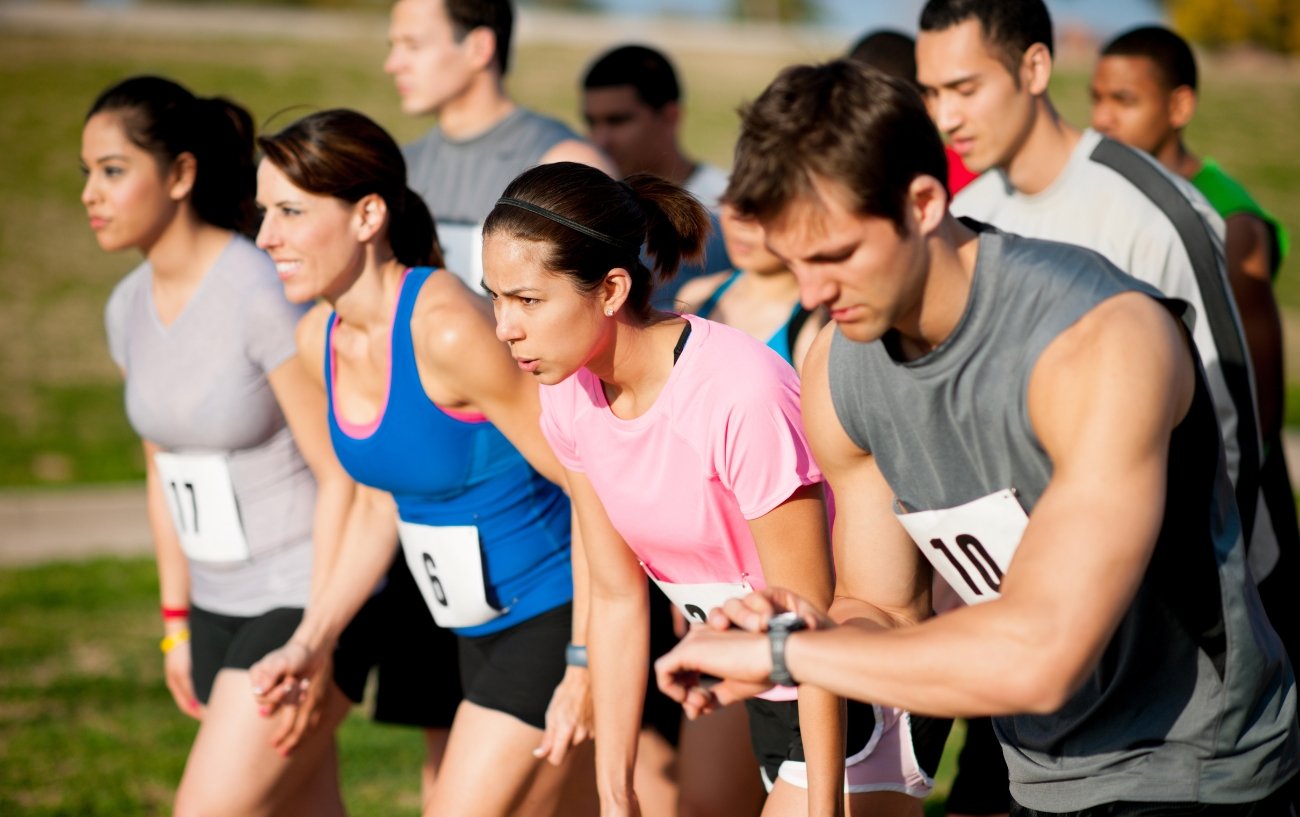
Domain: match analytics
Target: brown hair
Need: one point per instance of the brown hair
(607, 222)
(343, 154)
(843, 122)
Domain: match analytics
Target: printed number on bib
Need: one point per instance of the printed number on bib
(202, 502)
(696, 600)
(447, 563)
(970, 545)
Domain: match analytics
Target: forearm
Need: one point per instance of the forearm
(821, 721)
(364, 554)
(173, 566)
(963, 664)
(618, 647)
(334, 499)
(581, 585)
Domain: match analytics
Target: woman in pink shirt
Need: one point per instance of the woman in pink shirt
(686, 462)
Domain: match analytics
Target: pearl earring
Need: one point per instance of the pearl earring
(609, 313)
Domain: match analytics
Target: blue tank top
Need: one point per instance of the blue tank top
(783, 341)
(445, 471)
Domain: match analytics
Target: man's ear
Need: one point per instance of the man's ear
(927, 200)
(1036, 69)
(481, 46)
(1182, 106)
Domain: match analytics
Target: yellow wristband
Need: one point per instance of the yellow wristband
(169, 643)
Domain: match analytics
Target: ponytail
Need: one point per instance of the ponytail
(411, 231)
(590, 224)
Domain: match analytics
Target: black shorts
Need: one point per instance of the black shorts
(516, 670)
(659, 712)
(775, 736)
(220, 642)
(980, 786)
(416, 661)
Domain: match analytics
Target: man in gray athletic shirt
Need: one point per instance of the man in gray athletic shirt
(985, 67)
(979, 412)
(449, 58)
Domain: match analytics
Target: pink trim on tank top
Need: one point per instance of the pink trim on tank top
(463, 416)
(359, 431)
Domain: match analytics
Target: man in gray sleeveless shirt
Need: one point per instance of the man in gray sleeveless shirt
(448, 58)
(1026, 421)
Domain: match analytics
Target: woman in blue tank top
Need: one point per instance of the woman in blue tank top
(759, 297)
(430, 415)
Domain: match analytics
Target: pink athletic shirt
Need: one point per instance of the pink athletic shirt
(722, 443)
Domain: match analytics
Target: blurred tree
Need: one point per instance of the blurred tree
(1271, 24)
(781, 11)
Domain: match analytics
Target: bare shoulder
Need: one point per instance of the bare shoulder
(582, 152)
(449, 321)
(696, 291)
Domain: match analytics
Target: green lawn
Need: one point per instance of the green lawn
(87, 727)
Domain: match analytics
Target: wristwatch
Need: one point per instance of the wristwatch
(779, 629)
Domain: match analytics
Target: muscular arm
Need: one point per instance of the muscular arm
(1250, 255)
(1104, 416)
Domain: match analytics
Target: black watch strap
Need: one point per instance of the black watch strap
(777, 633)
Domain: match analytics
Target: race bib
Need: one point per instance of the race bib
(447, 563)
(202, 502)
(696, 600)
(970, 545)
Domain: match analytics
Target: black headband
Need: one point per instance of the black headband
(628, 246)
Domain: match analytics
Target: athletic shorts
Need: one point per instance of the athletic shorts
(418, 679)
(659, 712)
(220, 642)
(980, 786)
(515, 671)
(881, 754)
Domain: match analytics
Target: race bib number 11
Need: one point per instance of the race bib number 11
(202, 502)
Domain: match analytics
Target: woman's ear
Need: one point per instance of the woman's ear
(615, 290)
(181, 176)
(371, 214)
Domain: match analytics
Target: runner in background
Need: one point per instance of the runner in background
(440, 430)
(895, 53)
(1144, 93)
(244, 498)
(681, 442)
(449, 59)
(632, 104)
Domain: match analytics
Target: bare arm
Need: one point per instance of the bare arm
(793, 549)
(1249, 254)
(618, 646)
(302, 399)
(1104, 416)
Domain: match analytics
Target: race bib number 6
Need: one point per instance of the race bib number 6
(447, 563)
(970, 545)
(201, 498)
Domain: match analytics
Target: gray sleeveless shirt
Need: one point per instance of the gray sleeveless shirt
(1193, 699)
(461, 181)
(199, 385)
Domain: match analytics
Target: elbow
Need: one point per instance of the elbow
(1042, 684)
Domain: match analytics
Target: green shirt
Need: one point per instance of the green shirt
(1229, 198)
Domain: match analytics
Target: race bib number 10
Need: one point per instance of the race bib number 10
(202, 502)
(447, 563)
(970, 545)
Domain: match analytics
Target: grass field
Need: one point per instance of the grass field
(60, 401)
(87, 727)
